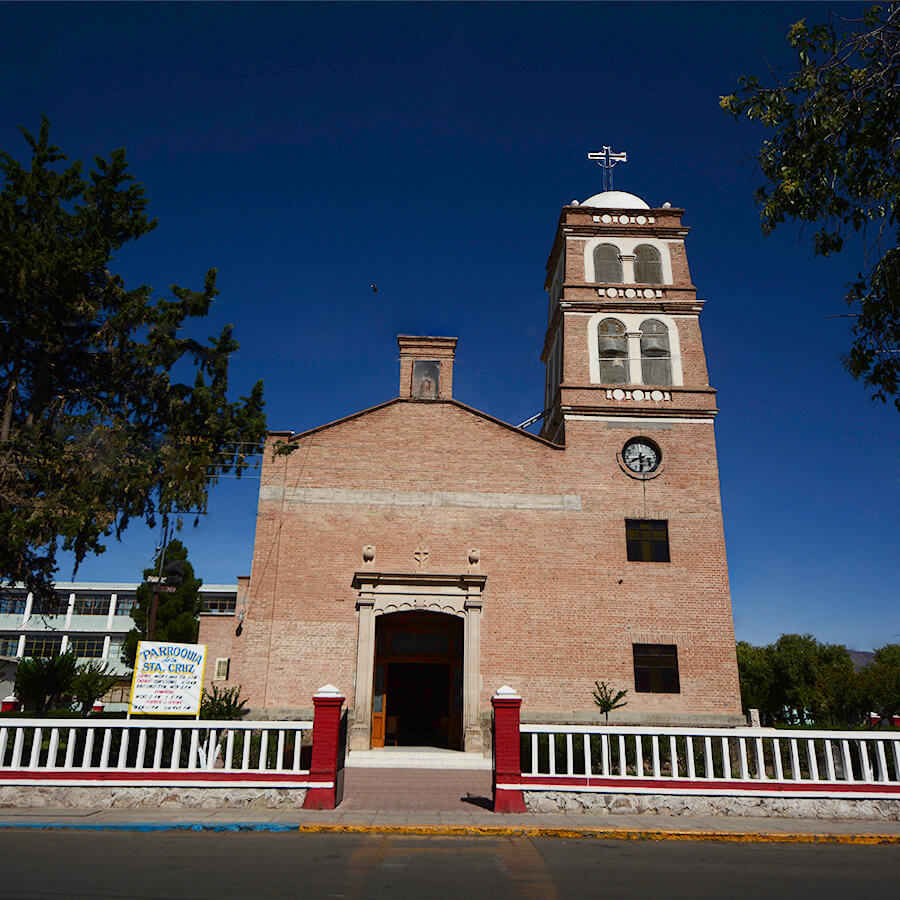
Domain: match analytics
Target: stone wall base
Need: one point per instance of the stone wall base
(62, 797)
(665, 804)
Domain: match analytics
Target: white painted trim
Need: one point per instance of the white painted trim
(712, 790)
(177, 782)
(632, 323)
(464, 499)
(627, 246)
(636, 419)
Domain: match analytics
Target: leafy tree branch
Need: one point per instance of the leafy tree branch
(833, 160)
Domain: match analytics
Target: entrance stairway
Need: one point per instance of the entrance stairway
(416, 758)
(416, 779)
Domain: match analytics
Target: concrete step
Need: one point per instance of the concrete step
(416, 758)
(411, 790)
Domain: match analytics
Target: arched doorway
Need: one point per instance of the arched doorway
(417, 688)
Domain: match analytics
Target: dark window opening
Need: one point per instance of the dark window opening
(607, 265)
(647, 265)
(12, 604)
(86, 647)
(41, 646)
(656, 669)
(647, 540)
(218, 603)
(91, 605)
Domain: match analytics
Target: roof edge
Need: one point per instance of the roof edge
(450, 400)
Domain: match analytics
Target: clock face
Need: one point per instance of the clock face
(641, 455)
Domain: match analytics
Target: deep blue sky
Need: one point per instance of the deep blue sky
(307, 151)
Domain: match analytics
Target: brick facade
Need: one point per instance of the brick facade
(545, 517)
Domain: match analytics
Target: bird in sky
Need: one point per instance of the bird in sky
(374, 288)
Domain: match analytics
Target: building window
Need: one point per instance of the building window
(218, 603)
(647, 540)
(125, 604)
(115, 649)
(40, 646)
(12, 603)
(656, 359)
(86, 647)
(607, 265)
(613, 350)
(647, 265)
(9, 646)
(656, 669)
(91, 605)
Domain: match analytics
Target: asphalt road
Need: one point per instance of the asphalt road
(164, 865)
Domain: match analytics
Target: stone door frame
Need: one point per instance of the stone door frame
(382, 593)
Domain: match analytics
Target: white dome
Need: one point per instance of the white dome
(615, 200)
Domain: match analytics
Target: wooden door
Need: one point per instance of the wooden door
(379, 705)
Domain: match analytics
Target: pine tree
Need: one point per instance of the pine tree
(95, 427)
(177, 612)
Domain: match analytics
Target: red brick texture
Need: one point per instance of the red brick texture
(325, 746)
(507, 760)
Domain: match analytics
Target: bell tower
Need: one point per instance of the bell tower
(623, 335)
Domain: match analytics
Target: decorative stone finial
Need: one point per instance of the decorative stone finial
(506, 692)
(328, 690)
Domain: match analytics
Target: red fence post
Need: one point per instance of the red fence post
(328, 702)
(507, 760)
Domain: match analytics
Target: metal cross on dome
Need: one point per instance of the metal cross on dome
(607, 160)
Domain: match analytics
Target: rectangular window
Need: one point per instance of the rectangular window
(9, 646)
(218, 603)
(91, 605)
(656, 669)
(12, 603)
(86, 647)
(40, 646)
(647, 540)
(125, 604)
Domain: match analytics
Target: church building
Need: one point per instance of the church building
(420, 554)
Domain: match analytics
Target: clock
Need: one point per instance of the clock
(641, 455)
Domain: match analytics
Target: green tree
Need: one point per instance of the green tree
(177, 612)
(799, 680)
(92, 680)
(95, 427)
(833, 160)
(839, 688)
(882, 682)
(608, 699)
(757, 677)
(46, 681)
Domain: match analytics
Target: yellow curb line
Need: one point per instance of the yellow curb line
(752, 837)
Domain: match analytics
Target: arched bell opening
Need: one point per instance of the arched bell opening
(417, 684)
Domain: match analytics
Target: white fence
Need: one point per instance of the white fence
(747, 761)
(160, 752)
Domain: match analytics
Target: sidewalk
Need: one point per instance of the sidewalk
(451, 802)
(476, 821)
